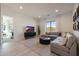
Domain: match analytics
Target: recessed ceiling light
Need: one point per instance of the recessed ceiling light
(56, 10)
(21, 7)
(39, 16)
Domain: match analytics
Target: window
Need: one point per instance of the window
(51, 26)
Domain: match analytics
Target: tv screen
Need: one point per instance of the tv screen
(29, 29)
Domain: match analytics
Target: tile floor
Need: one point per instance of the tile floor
(29, 47)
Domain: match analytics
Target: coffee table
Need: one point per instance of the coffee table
(45, 40)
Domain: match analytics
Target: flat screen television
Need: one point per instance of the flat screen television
(29, 28)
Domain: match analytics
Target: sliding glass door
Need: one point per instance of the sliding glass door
(51, 26)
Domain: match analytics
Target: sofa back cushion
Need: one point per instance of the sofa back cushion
(60, 41)
(70, 41)
(53, 33)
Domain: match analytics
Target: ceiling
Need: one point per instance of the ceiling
(37, 9)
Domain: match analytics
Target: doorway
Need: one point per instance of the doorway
(7, 28)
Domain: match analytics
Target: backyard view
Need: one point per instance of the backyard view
(51, 26)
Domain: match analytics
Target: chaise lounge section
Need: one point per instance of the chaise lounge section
(68, 49)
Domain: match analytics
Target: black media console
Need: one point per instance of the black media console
(29, 34)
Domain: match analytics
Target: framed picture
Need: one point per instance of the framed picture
(76, 19)
(77, 11)
(74, 26)
(77, 25)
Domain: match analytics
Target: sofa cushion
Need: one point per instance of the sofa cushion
(70, 41)
(59, 47)
(53, 33)
(60, 41)
(59, 52)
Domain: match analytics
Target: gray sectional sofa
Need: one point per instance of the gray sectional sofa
(67, 49)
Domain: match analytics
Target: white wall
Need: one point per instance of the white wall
(42, 26)
(64, 23)
(19, 24)
(0, 24)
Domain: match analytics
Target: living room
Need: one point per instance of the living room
(39, 17)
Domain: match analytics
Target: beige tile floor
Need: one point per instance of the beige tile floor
(29, 47)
